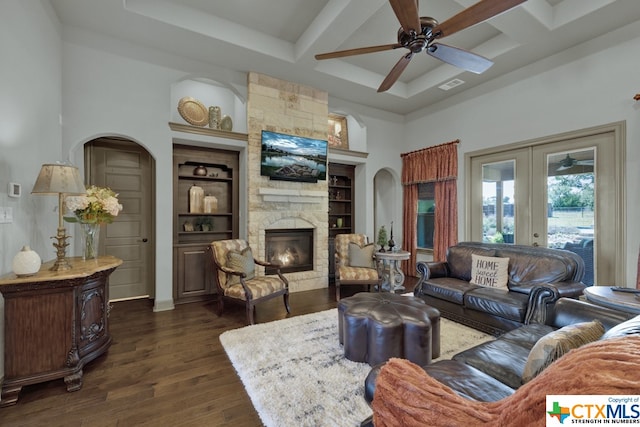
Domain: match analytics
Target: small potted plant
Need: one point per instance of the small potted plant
(204, 223)
(382, 237)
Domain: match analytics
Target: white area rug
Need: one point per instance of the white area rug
(295, 372)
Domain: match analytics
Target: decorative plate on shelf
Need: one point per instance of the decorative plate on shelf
(226, 123)
(193, 111)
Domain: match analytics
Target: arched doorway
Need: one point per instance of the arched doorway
(128, 169)
(385, 206)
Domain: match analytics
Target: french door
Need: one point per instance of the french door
(563, 192)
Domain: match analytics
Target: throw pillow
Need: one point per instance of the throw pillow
(361, 256)
(557, 343)
(489, 271)
(240, 261)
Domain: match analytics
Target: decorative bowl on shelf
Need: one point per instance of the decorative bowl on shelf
(193, 111)
(200, 171)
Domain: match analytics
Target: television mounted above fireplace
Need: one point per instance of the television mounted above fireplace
(293, 158)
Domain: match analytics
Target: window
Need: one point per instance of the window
(426, 215)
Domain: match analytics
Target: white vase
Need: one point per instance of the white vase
(210, 204)
(26, 262)
(196, 199)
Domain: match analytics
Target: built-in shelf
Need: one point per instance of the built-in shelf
(341, 206)
(194, 231)
(352, 153)
(178, 127)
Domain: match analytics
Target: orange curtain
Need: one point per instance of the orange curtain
(409, 227)
(638, 274)
(437, 164)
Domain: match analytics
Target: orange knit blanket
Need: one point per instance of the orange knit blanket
(407, 396)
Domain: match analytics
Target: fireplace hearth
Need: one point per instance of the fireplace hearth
(291, 248)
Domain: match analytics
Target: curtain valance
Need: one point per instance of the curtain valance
(431, 164)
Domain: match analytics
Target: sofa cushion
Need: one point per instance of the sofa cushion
(489, 271)
(502, 360)
(628, 327)
(555, 344)
(527, 335)
(259, 286)
(354, 274)
(498, 302)
(240, 261)
(447, 288)
(459, 260)
(468, 381)
(532, 268)
(361, 255)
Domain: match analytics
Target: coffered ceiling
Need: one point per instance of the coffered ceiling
(281, 37)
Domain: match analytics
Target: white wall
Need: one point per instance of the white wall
(109, 94)
(105, 94)
(30, 101)
(592, 90)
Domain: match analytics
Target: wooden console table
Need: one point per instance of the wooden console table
(55, 323)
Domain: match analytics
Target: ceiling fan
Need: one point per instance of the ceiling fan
(418, 34)
(569, 162)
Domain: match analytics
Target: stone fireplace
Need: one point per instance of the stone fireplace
(281, 106)
(283, 209)
(290, 248)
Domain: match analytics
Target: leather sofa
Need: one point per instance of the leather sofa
(493, 370)
(537, 277)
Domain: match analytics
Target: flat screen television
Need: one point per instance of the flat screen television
(293, 158)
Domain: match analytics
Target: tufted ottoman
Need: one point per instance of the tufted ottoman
(374, 327)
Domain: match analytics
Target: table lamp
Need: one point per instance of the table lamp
(60, 179)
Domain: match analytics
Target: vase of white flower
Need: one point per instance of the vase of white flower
(98, 206)
(90, 240)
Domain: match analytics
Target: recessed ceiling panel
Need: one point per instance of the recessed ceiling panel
(284, 19)
(535, 30)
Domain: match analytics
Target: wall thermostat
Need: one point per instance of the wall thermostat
(14, 190)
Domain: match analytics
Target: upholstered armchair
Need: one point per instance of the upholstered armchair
(233, 269)
(355, 263)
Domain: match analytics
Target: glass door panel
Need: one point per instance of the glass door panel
(498, 186)
(570, 205)
(498, 202)
(579, 202)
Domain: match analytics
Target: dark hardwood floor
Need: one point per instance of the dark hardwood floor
(163, 369)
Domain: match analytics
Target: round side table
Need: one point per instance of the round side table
(389, 268)
(623, 301)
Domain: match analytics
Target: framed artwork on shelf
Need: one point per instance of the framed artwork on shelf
(338, 136)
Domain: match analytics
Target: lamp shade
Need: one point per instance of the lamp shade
(58, 178)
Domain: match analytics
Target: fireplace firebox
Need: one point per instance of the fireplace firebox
(291, 248)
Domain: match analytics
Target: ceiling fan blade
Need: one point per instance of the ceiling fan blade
(395, 72)
(407, 13)
(459, 57)
(473, 15)
(358, 51)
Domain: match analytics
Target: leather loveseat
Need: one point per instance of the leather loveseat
(493, 370)
(537, 277)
